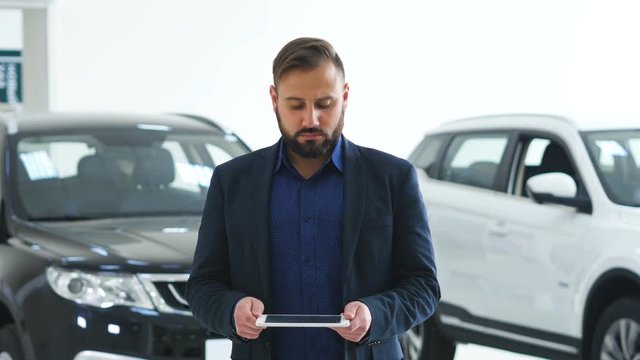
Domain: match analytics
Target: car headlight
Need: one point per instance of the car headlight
(98, 289)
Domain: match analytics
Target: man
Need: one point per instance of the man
(313, 225)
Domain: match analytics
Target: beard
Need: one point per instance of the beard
(310, 149)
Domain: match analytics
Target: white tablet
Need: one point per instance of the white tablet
(281, 320)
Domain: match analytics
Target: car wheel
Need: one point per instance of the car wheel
(10, 343)
(617, 333)
(426, 342)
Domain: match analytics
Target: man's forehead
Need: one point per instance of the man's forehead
(307, 91)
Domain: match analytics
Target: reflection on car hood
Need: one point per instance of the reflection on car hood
(162, 244)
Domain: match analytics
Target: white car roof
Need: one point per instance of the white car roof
(540, 121)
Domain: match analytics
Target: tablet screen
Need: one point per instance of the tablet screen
(301, 319)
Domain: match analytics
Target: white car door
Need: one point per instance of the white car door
(457, 208)
(502, 257)
(531, 248)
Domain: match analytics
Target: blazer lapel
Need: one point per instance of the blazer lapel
(354, 200)
(260, 214)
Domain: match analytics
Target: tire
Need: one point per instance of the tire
(617, 333)
(426, 342)
(10, 348)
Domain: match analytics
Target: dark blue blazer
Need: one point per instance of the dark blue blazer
(388, 260)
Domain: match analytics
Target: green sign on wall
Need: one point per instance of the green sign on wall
(10, 77)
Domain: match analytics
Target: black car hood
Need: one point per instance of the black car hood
(154, 244)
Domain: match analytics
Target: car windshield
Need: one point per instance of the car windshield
(616, 155)
(100, 173)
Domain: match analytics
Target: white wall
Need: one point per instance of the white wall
(411, 64)
(10, 29)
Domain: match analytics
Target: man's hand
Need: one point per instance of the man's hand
(360, 321)
(247, 311)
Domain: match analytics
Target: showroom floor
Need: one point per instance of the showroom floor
(474, 352)
(215, 349)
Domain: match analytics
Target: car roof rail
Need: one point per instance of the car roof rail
(203, 119)
(208, 121)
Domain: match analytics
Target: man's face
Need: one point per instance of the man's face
(310, 106)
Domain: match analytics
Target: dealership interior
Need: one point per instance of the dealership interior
(519, 122)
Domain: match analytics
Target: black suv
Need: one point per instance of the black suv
(99, 219)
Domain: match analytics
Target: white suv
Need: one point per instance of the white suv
(536, 227)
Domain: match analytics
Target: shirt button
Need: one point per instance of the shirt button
(306, 218)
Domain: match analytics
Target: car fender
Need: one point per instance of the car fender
(598, 272)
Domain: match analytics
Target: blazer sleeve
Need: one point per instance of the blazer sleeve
(210, 298)
(414, 291)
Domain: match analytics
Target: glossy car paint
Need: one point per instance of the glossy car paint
(158, 248)
(509, 259)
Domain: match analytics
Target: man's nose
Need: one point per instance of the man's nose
(310, 118)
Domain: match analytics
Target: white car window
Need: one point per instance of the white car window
(616, 156)
(218, 155)
(541, 156)
(426, 156)
(474, 159)
(535, 150)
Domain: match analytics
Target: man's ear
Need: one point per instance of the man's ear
(345, 95)
(274, 97)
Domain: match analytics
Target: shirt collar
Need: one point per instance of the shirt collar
(336, 156)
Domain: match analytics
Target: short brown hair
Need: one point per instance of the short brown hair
(304, 53)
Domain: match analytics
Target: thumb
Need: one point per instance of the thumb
(257, 307)
(350, 310)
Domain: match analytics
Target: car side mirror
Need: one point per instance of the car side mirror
(557, 188)
(556, 184)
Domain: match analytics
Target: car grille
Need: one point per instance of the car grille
(167, 291)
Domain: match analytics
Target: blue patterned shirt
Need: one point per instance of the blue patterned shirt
(306, 255)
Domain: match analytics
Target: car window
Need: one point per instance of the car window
(541, 155)
(218, 154)
(57, 159)
(186, 173)
(616, 156)
(426, 155)
(474, 159)
(535, 150)
(115, 173)
(634, 146)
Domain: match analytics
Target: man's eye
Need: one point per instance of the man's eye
(324, 104)
(297, 107)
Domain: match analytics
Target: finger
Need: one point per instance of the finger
(247, 330)
(350, 310)
(244, 303)
(238, 314)
(355, 323)
(250, 321)
(358, 326)
(362, 318)
(243, 307)
(245, 321)
(248, 307)
(257, 307)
